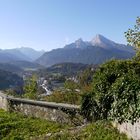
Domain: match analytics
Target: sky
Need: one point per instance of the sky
(50, 24)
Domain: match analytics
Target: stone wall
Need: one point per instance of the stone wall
(3, 101)
(132, 130)
(63, 113)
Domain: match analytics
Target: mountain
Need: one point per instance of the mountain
(11, 55)
(9, 80)
(66, 68)
(31, 53)
(11, 68)
(78, 44)
(26, 65)
(96, 51)
(105, 43)
(62, 69)
(18, 54)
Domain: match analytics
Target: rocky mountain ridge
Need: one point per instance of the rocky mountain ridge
(96, 51)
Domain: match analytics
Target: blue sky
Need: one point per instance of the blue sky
(50, 24)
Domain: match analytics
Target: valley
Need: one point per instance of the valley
(71, 76)
(69, 70)
(53, 68)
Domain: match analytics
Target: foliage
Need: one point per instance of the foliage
(18, 127)
(16, 92)
(70, 85)
(133, 38)
(64, 97)
(89, 107)
(96, 131)
(85, 78)
(30, 88)
(65, 69)
(115, 93)
(69, 94)
(133, 35)
(126, 92)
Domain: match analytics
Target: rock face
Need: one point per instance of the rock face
(96, 51)
(131, 130)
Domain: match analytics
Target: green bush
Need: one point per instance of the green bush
(30, 88)
(115, 93)
(126, 93)
(64, 97)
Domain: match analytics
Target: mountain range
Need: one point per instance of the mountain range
(96, 51)
(19, 54)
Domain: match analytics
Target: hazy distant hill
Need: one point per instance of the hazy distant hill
(31, 53)
(18, 54)
(11, 55)
(96, 51)
(57, 74)
(67, 68)
(9, 80)
(10, 67)
(19, 67)
(26, 65)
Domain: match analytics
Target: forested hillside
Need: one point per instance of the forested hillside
(9, 80)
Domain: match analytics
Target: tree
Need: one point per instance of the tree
(85, 79)
(30, 88)
(70, 85)
(104, 77)
(133, 36)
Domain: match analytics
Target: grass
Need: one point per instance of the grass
(96, 131)
(15, 126)
(18, 127)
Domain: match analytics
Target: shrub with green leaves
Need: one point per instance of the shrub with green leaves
(133, 35)
(64, 97)
(30, 88)
(126, 93)
(115, 93)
